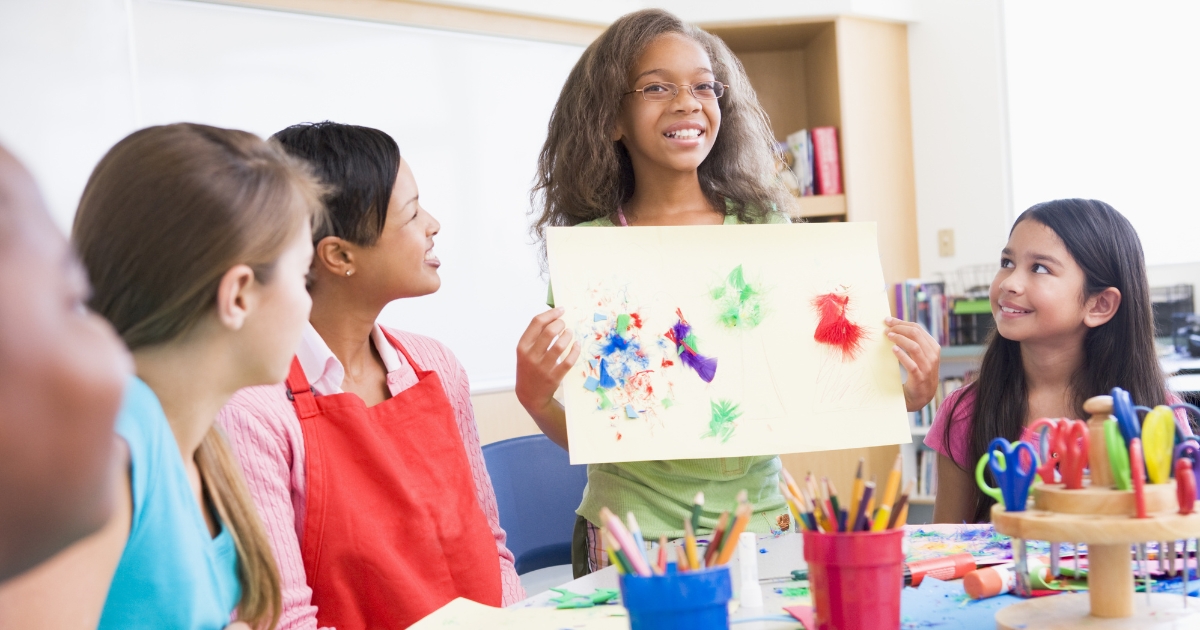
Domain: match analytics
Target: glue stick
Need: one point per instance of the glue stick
(997, 580)
(747, 549)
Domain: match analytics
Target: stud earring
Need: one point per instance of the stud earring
(349, 271)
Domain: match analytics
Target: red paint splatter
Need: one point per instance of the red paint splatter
(667, 363)
(834, 329)
(618, 437)
(637, 320)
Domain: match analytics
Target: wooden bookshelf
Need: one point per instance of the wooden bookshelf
(851, 74)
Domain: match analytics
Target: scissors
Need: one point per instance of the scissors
(1185, 426)
(1125, 413)
(1051, 444)
(1158, 440)
(1118, 455)
(1189, 448)
(1074, 455)
(1013, 472)
(1185, 490)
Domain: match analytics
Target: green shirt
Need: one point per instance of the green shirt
(660, 493)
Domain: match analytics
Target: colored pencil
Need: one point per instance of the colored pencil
(662, 555)
(681, 561)
(689, 537)
(831, 514)
(739, 526)
(697, 508)
(857, 490)
(714, 544)
(636, 532)
(889, 496)
(901, 506)
(622, 560)
(871, 500)
(793, 507)
(625, 541)
(861, 520)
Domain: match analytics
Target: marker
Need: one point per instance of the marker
(697, 508)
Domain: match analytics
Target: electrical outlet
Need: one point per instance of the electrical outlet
(945, 243)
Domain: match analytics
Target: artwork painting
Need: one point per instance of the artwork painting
(725, 341)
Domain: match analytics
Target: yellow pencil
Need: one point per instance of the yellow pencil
(856, 492)
(689, 542)
(889, 496)
(792, 507)
(731, 539)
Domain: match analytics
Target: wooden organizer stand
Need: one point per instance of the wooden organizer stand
(1103, 519)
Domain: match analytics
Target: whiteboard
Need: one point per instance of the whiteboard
(469, 113)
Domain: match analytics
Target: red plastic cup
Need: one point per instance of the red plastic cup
(856, 579)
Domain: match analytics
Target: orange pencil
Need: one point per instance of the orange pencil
(739, 526)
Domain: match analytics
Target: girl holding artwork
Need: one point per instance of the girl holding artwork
(365, 464)
(658, 125)
(196, 241)
(1073, 320)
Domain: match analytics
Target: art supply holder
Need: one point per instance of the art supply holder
(855, 578)
(1103, 518)
(695, 600)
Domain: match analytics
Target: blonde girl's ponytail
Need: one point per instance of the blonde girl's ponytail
(165, 214)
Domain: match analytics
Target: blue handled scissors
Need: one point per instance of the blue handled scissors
(1013, 472)
(1126, 414)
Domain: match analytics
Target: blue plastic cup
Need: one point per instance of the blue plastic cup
(696, 600)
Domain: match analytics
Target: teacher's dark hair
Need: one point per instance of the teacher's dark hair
(358, 164)
(1119, 352)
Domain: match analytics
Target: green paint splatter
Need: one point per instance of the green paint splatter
(622, 323)
(741, 304)
(605, 403)
(724, 412)
(667, 402)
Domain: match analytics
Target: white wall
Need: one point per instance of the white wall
(698, 10)
(66, 90)
(468, 111)
(960, 144)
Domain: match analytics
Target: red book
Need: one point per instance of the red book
(827, 166)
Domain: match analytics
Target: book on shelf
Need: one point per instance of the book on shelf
(800, 146)
(827, 168)
(923, 418)
(926, 473)
(951, 321)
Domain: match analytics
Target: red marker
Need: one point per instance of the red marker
(1137, 470)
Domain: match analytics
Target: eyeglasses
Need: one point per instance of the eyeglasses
(705, 90)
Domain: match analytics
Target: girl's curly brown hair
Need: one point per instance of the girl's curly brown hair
(583, 175)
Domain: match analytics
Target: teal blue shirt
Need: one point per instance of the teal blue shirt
(173, 574)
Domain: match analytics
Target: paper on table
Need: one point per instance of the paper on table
(709, 341)
(464, 613)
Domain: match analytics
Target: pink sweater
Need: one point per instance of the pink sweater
(265, 434)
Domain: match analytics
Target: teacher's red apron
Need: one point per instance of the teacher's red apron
(392, 530)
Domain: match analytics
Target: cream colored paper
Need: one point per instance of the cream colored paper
(787, 392)
(466, 614)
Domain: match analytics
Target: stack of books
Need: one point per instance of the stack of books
(815, 161)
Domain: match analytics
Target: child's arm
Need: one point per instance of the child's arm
(920, 355)
(954, 493)
(69, 589)
(539, 372)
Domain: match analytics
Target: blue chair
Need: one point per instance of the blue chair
(537, 490)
